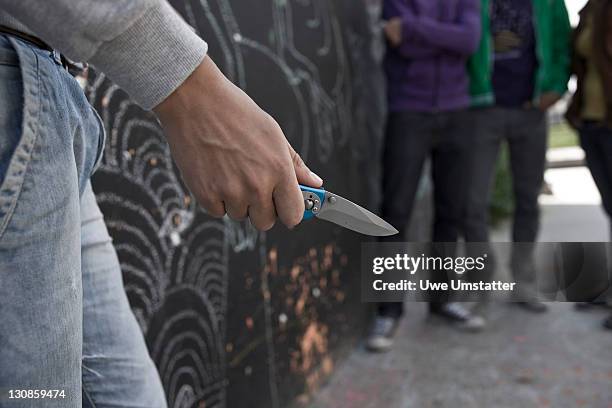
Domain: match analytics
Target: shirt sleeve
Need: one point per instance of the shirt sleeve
(144, 46)
(410, 47)
(461, 36)
(561, 49)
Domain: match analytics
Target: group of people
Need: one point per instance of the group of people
(463, 76)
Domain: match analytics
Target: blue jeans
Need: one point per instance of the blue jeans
(411, 138)
(65, 321)
(525, 131)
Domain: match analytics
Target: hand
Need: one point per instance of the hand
(232, 155)
(393, 31)
(548, 99)
(506, 41)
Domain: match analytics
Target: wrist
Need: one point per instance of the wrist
(181, 102)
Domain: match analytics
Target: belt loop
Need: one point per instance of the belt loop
(57, 58)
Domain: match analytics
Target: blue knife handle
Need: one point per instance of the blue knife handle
(313, 198)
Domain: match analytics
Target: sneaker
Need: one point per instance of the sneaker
(608, 323)
(533, 305)
(526, 298)
(458, 316)
(381, 333)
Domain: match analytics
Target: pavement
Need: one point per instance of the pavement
(562, 358)
(572, 156)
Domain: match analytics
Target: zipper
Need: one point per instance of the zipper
(435, 96)
(490, 52)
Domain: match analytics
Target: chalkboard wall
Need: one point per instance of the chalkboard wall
(233, 317)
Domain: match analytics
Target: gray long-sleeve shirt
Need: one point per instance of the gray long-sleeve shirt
(142, 45)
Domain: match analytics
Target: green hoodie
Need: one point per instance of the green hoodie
(553, 51)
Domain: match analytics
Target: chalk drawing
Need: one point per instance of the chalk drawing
(292, 57)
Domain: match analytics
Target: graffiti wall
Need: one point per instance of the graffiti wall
(233, 317)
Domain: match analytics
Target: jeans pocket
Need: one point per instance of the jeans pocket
(8, 56)
(19, 93)
(101, 141)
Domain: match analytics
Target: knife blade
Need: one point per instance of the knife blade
(338, 210)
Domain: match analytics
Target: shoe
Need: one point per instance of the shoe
(457, 315)
(527, 298)
(583, 306)
(607, 324)
(533, 305)
(381, 333)
(546, 189)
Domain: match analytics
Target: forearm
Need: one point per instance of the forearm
(418, 50)
(142, 45)
(461, 36)
(410, 47)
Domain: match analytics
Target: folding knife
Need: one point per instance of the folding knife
(331, 207)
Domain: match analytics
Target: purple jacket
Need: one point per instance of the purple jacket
(428, 71)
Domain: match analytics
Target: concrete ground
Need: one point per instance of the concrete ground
(559, 359)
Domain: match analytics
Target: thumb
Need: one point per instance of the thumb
(302, 172)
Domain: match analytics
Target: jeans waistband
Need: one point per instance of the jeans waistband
(26, 37)
(74, 68)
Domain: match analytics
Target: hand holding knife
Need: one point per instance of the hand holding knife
(333, 208)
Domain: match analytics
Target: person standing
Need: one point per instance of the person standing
(590, 111)
(65, 321)
(428, 45)
(520, 70)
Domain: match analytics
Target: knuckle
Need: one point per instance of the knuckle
(269, 127)
(255, 186)
(260, 201)
(297, 159)
(279, 163)
(263, 224)
(260, 191)
(232, 196)
(213, 207)
(215, 211)
(203, 199)
(272, 125)
(211, 193)
(237, 215)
